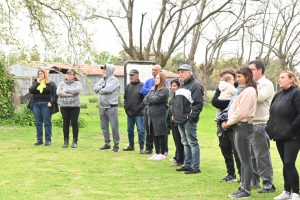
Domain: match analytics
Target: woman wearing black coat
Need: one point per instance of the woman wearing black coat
(284, 127)
(157, 101)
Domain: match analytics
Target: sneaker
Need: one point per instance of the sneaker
(129, 148)
(267, 190)
(193, 171)
(284, 195)
(146, 152)
(74, 145)
(159, 157)
(240, 194)
(183, 169)
(105, 147)
(47, 143)
(295, 196)
(38, 143)
(116, 148)
(153, 156)
(229, 178)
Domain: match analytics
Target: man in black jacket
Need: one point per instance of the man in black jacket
(188, 102)
(226, 140)
(134, 108)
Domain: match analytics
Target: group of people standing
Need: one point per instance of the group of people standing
(248, 117)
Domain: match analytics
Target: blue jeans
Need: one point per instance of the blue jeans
(42, 114)
(188, 132)
(139, 121)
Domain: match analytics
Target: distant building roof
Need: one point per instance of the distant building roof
(87, 69)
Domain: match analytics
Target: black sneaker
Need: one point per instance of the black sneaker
(47, 143)
(270, 190)
(38, 143)
(184, 169)
(105, 147)
(193, 171)
(229, 178)
(146, 151)
(129, 148)
(240, 194)
(116, 148)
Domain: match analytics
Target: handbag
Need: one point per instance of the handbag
(30, 103)
(55, 108)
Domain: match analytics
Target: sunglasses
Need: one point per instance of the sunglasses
(103, 67)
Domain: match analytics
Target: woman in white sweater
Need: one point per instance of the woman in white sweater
(240, 119)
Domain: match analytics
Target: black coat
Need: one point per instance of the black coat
(133, 99)
(157, 101)
(284, 121)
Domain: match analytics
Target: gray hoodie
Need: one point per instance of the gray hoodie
(68, 93)
(108, 88)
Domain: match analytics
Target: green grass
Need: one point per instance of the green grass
(39, 172)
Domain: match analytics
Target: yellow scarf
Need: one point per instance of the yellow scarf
(41, 86)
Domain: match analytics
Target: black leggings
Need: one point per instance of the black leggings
(70, 114)
(288, 151)
(160, 144)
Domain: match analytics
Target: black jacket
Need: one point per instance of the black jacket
(48, 94)
(188, 102)
(133, 99)
(284, 121)
(220, 104)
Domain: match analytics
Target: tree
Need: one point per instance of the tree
(105, 57)
(280, 35)
(52, 20)
(173, 23)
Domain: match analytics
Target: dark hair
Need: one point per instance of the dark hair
(227, 71)
(163, 80)
(247, 72)
(258, 64)
(176, 81)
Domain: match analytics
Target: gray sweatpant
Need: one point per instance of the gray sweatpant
(110, 116)
(261, 158)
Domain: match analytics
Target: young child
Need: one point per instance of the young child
(226, 86)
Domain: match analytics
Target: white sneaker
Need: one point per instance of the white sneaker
(159, 157)
(295, 196)
(153, 156)
(283, 196)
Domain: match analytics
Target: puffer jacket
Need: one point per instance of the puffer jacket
(188, 102)
(108, 88)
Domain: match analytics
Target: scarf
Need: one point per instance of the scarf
(41, 86)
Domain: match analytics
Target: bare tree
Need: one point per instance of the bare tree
(173, 23)
(280, 37)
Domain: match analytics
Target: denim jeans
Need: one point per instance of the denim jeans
(139, 121)
(261, 158)
(42, 114)
(188, 132)
(242, 134)
(110, 116)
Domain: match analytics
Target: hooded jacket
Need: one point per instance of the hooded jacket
(188, 102)
(108, 88)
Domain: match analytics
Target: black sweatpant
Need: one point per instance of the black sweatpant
(229, 153)
(70, 114)
(149, 133)
(288, 151)
(179, 153)
(160, 144)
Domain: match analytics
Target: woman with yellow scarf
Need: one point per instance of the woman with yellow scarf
(44, 98)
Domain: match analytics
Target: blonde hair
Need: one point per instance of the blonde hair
(292, 76)
(46, 75)
(162, 83)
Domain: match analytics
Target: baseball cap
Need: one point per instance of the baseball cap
(134, 71)
(185, 67)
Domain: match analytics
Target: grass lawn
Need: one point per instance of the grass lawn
(39, 172)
